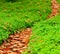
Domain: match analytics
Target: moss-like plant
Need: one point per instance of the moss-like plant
(45, 38)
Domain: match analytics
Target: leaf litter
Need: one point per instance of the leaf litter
(16, 43)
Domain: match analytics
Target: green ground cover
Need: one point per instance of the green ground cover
(58, 1)
(19, 15)
(45, 38)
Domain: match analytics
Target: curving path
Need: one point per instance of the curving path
(55, 6)
(16, 43)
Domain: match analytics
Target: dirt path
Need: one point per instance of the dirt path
(16, 43)
(55, 6)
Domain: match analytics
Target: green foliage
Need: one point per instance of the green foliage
(58, 1)
(8, 0)
(11, 0)
(19, 15)
(45, 38)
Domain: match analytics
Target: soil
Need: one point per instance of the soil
(16, 43)
(55, 8)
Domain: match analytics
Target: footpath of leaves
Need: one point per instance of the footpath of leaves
(45, 38)
(16, 43)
